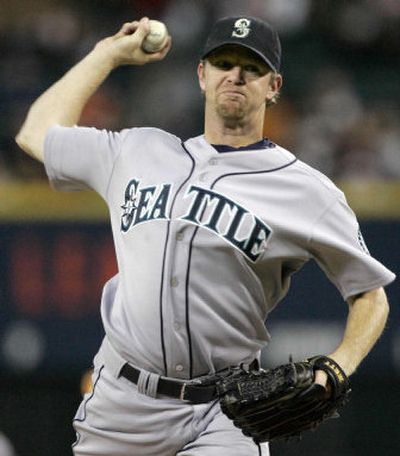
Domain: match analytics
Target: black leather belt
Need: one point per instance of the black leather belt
(196, 394)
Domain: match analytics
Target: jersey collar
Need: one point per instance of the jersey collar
(265, 143)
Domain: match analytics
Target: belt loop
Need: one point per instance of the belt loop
(147, 383)
(142, 381)
(182, 394)
(152, 385)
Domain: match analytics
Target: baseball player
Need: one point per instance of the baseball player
(207, 234)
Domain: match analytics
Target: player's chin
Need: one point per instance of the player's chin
(231, 110)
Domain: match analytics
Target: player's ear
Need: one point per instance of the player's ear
(201, 75)
(275, 84)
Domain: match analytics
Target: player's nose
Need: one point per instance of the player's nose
(236, 75)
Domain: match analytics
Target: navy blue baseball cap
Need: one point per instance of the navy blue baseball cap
(254, 34)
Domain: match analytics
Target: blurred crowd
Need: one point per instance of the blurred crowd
(340, 104)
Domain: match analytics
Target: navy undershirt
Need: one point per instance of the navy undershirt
(263, 144)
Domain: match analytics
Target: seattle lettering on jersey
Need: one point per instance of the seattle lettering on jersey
(229, 220)
(208, 209)
(144, 204)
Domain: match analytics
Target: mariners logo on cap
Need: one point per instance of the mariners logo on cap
(242, 28)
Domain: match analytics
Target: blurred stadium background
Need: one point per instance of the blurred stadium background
(339, 112)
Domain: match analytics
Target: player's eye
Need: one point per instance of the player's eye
(224, 65)
(254, 69)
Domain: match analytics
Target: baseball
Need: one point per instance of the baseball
(157, 37)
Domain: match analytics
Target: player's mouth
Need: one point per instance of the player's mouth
(232, 93)
(232, 96)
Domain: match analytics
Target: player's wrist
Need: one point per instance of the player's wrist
(346, 364)
(104, 56)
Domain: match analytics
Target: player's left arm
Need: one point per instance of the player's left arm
(368, 313)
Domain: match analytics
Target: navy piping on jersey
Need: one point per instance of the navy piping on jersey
(191, 247)
(90, 397)
(252, 172)
(164, 257)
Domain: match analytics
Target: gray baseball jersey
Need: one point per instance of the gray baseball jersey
(206, 242)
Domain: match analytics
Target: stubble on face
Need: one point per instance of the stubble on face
(234, 95)
(230, 109)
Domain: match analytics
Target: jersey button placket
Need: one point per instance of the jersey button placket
(178, 347)
(178, 338)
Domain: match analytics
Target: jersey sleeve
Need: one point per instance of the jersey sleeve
(339, 249)
(79, 158)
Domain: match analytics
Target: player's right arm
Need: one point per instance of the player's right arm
(63, 102)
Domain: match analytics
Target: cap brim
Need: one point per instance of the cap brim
(230, 42)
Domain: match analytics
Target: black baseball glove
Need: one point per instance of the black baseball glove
(283, 402)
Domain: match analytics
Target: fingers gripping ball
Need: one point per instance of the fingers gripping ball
(157, 37)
